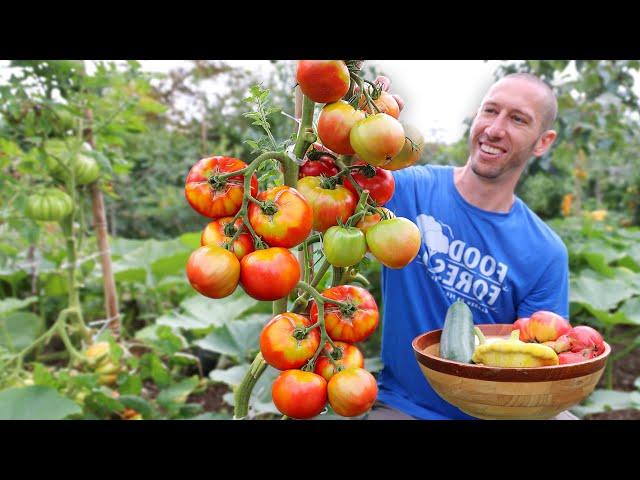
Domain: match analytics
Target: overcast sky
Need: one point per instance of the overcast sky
(438, 94)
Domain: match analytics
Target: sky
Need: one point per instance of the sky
(438, 94)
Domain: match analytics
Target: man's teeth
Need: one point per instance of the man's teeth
(489, 149)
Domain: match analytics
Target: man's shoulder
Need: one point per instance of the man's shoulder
(422, 172)
(547, 237)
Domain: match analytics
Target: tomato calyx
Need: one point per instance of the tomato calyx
(367, 170)
(315, 155)
(336, 353)
(269, 207)
(328, 183)
(230, 230)
(217, 182)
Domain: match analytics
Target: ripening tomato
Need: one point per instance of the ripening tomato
(378, 181)
(377, 138)
(269, 274)
(370, 219)
(324, 165)
(213, 234)
(394, 242)
(283, 346)
(299, 394)
(352, 392)
(213, 271)
(334, 126)
(285, 218)
(350, 323)
(344, 246)
(350, 356)
(385, 103)
(323, 81)
(49, 205)
(411, 151)
(328, 204)
(209, 195)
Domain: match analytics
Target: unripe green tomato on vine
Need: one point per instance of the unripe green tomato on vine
(85, 168)
(344, 246)
(49, 205)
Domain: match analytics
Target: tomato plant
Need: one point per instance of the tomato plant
(269, 274)
(285, 344)
(330, 203)
(324, 165)
(335, 124)
(212, 195)
(411, 150)
(283, 218)
(385, 104)
(370, 219)
(344, 246)
(213, 271)
(214, 234)
(49, 205)
(378, 181)
(299, 394)
(349, 356)
(323, 81)
(377, 138)
(395, 242)
(352, 392)
(354, 320)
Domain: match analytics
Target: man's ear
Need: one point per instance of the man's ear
(544, 143)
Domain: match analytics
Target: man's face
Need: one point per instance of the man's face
(507, 130)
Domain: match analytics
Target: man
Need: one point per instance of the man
(481, 243)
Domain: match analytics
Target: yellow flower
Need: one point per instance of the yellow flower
(566, 204)
(598, 215)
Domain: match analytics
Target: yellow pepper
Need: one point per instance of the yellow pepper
(513, 352)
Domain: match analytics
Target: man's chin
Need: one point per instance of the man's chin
(486, 173)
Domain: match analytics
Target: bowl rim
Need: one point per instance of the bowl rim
(502, 374)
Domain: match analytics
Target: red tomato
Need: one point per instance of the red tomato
(370, 219)
(213, 198)
(350, 357)
(352, 392)
(281, 348)
(334, 126)
(385, 103)
(324, 165)
(378, 181)
(213, 234)
(328, 205)
(269, 274)
(323, 81)
(545, 326)
(299, 394)
(213, 271)
(377, 139)
(286, 218)
(394, 242)
(348, 324)
(411, 150)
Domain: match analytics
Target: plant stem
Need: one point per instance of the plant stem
(243, 391)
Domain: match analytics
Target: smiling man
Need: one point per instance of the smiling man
(481, 243)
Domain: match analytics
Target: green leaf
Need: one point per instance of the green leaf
(19, 329)
(8, 305)
(599, 292)
(178, 392)
(35, 403)
(158, 371)
(631, 310)
(190, 240)
(43, 377)
(602, 401)
(231, 376)
(237, 339)
(137, 403)
(598, 262)
(130, 384)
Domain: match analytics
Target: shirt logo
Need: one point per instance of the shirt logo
(461, 269)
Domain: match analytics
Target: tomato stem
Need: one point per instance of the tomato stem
(243, 391)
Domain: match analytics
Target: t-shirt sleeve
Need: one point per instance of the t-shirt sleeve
(551, 292)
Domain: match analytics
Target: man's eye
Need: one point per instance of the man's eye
(490, 110)
(519, 119)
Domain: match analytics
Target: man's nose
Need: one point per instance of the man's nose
(496, 128)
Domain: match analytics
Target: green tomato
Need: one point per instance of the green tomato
(86, 169)
(49, 205)
(344, 246)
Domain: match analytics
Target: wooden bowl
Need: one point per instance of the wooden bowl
(494, 393)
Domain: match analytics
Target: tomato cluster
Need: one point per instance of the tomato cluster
(250, 233)
(290, 342)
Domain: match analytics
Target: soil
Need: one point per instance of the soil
(211, 399)
(625, 372)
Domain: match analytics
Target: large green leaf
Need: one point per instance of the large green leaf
(160, 258)
(604, 400)
(19, 329)
(237, 339)
(231, 376)
(599, 292)
(35, 403)
(177, 393)
(10, 304)
(631, 310)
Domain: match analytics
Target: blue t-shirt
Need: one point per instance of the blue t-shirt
(504, 266)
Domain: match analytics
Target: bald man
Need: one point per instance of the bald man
(481, 243)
